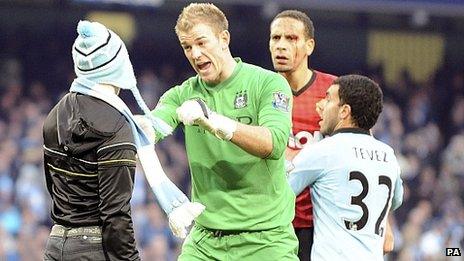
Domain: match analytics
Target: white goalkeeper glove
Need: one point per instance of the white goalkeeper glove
(196, 112)
(182, 217)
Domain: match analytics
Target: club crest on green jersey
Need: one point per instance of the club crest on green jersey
(241, 99)
(280, 101)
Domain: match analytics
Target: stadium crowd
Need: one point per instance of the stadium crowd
(424, 122)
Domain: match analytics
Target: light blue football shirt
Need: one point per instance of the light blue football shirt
(355, 181)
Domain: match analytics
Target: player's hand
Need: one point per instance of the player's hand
(146, 126)
(190, 111)
(291, 153)
(197, 112)
(389, 241)
(182, 217)
(289, 166)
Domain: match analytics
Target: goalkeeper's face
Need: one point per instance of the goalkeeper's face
(289, 45)
(206, 51)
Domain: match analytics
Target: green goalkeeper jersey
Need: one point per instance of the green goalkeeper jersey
(240, 191)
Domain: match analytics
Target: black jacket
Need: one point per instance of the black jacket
(89, 160)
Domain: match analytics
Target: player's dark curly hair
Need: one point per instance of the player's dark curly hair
(364, 97)
(299, 16)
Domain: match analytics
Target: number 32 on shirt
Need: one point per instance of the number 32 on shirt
(358, 200)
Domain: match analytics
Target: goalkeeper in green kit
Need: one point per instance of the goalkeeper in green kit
(237, 119)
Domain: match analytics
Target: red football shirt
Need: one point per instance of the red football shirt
(306, 127)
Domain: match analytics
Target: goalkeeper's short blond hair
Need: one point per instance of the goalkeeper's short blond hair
(204, 13)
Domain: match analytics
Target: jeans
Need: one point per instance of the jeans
(74, 248)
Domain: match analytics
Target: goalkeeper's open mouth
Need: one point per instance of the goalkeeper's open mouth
(203, 67)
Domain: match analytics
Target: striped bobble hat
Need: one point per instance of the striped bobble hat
(101, 56)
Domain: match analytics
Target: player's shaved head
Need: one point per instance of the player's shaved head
(205, 13)
(299, 16)
(364, 96)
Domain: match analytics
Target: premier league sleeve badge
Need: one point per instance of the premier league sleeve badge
(280, 101)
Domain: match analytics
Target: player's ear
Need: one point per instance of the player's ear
(310, 44)
(224, 38)
(345, 111)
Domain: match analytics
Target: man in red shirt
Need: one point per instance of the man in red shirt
(291, 43)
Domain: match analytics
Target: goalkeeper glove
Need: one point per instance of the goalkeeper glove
(181, 217)
(196, 112)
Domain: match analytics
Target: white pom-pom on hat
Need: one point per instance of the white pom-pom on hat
(89, 29)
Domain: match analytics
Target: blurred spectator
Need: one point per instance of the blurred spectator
(156, 249)
(453, 156)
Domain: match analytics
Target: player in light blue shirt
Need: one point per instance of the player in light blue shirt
(354, 178)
